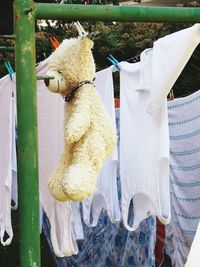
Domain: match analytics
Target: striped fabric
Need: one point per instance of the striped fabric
(184, 129)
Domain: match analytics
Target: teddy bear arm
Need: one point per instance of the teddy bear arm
(79, 121)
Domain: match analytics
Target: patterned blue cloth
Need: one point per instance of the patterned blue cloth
(110, 244)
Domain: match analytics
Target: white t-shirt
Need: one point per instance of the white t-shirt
(6, 86)
(144, 150)
(169, 56)
(105, 196)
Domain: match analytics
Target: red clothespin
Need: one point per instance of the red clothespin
(117, 102)
(54, 42)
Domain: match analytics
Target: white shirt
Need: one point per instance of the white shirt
(106, 195)
(5, 159)
(144, 150)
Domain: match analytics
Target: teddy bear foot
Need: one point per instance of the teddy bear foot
(56, 191)
(79, 182)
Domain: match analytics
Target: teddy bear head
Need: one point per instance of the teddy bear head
(71, 63)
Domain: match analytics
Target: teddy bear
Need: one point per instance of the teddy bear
(89, 133)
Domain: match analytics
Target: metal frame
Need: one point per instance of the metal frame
(25, 14)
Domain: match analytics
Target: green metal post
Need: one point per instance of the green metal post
(117, 13)
(45, 77)
(24, 17)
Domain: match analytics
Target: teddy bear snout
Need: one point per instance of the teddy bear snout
(46, 81)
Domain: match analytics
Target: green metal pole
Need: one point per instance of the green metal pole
(45, 77)
(27, 133)
(117, 13)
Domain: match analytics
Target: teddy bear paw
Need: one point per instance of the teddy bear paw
(56, 191)
(79, 182)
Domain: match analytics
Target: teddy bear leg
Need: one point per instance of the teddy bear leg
(79, 180)
(54, 183)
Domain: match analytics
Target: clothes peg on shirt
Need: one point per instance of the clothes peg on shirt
(9, 69)
(54, 42)
(114, 61)
(170, 95)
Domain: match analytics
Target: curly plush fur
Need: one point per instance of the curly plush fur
(89, 136)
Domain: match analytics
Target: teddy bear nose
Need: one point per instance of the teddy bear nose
(46, 81)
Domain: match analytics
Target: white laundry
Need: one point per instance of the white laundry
(50, 137)
(169, 56)
(14, 152)
(144, 148)
(65, 220)
(77, 223)
(5, 159)
(105, 196)
(194, 257)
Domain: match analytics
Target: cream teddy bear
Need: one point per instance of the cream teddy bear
(89, 134)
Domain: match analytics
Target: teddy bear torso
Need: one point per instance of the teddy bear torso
(99, 139)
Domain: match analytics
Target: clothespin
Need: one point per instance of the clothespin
(54, 42)
(171, 95)
(114, 61)
(9, 69)
(81, 31)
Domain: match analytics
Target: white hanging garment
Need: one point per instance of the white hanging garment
(50, 137)
(14, 152)
(169, 57)
(144, 148)
(77, 223)
(194, 256)
(5, 160)
(105, 196)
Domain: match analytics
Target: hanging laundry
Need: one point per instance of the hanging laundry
(50, 138)
(144, 147)
(105, 196)
(6, 232)
(193, 257)
(169, 56)
(14, 150)
(12, 86)
(65, 219)
(50, 129)
(8, 157)
(67, 227)
(77, 221)
(184, 130)
(110, 244)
